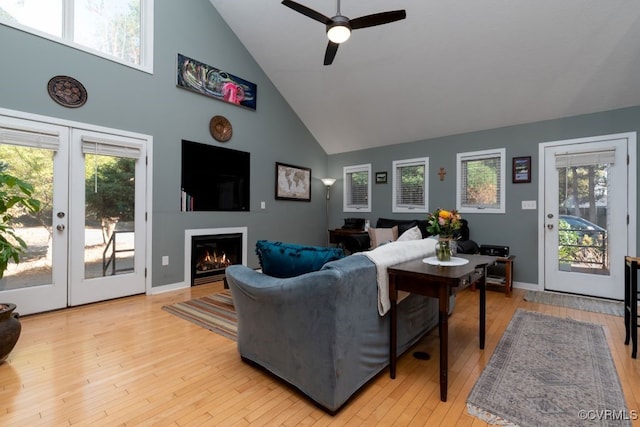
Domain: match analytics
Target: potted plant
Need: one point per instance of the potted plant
(15, 197)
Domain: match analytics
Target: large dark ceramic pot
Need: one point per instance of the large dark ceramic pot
(9, 329)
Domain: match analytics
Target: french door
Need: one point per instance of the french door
(87, 243)
(585, 215)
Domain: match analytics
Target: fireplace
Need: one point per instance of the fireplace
(208, 252)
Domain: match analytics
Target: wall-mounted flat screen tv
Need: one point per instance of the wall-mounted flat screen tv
(214, 178)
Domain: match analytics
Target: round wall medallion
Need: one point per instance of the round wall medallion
(67, 91)
(220, 128)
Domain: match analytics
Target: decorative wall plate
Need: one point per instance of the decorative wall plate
(67, 91)
(220, 128)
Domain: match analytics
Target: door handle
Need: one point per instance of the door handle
(550, 226)
(60, 227)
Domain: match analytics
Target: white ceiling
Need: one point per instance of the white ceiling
(452, 66)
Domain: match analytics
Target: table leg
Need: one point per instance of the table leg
(443, 330)
(508, 268)
(393, 346)
(634, 309)
(627, 302)
(483, 307)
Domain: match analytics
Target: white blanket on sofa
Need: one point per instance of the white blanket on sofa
(395, 253)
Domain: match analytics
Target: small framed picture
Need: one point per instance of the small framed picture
(381, 177)
(293, 183)
(521, 169)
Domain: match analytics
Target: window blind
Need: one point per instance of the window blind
(586, 158)
(108, 147)
(410, 186)
(358, 190)
(481, 177)
(33, 138)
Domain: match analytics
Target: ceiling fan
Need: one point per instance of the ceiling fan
(339, 27)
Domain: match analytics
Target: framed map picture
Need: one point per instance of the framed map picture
(293, 183)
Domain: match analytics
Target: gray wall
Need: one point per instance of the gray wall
(516, 228)
(123, 98)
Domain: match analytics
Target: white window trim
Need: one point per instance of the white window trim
(460, 157)
(146, 36)
(424, 161)
(352, 169)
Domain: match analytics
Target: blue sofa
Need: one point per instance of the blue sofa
(321, 331)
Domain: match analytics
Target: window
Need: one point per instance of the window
(480, 181)
(357, 188)
(119, 30)
(410, 183)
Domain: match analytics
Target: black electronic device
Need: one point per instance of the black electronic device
(353, 224)
(494, 250)
(215, 178)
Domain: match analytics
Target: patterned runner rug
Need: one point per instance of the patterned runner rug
(550, 371)
(214, 312)
(595, 305)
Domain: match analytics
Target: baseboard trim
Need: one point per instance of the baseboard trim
(167, 288)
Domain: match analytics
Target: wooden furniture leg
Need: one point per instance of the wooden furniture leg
(634, 309)
(443, 331)
(393, 345)
(482, 283)
(627, 300)
(631, 304)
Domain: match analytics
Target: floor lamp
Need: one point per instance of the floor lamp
(328, 182)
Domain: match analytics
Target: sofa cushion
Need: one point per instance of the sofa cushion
(380, 236)
(283, 260)
(411, 234)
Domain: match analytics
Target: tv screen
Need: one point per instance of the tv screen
(214, 178)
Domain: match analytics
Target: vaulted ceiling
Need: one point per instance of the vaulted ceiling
(452, 66)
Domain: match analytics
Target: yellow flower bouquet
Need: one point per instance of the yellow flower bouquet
(443, 222)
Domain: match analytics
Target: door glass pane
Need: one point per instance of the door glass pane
(583, 244)
(109, 215)
(35, 167)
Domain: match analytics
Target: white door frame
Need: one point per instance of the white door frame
(149, 171)
(631, 138)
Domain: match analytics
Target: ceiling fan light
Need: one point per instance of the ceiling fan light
(339, 33)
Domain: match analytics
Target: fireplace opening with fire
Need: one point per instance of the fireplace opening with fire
(212, 254)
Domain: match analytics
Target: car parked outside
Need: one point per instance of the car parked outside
(581, 225)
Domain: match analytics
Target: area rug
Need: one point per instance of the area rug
(214, 312)
(549, 371)
(595, 305)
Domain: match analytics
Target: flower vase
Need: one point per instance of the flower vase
(443, 249)
(9, 329)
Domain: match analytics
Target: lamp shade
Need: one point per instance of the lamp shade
(328, 181)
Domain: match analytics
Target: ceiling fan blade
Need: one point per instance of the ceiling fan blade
(377, 19)
(307, 12)
(332, 49)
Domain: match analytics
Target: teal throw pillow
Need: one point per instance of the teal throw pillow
(282, 260)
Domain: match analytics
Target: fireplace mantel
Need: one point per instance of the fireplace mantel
(190, 233)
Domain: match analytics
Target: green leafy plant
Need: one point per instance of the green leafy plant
(15, 198)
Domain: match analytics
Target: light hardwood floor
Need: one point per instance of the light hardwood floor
(127, 362)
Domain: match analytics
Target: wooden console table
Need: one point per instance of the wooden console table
(339, 236)
(631, 303)
(437, 282)
(507, 280)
